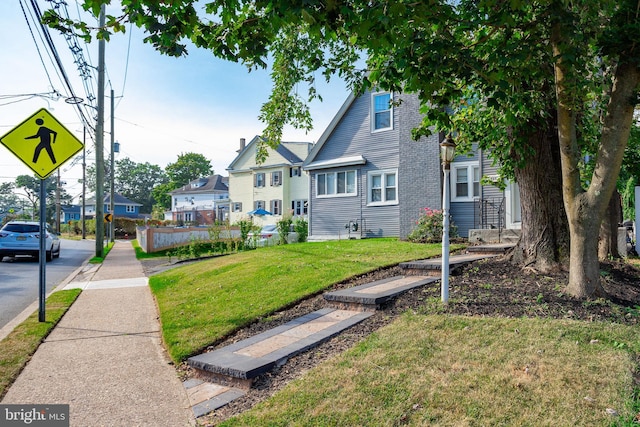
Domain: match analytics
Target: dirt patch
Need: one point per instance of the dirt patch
(491, 287)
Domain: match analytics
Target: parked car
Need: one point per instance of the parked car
(268, 236)
(23, 238)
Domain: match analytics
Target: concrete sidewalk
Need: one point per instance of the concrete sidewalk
(105, 357)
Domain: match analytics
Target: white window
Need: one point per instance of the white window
(381, 112)
(465, 181)
(188, 216)
(336, 184)
(258, 204)
(236, 207)
(276, 207)
(295, 171)
(258, 179)
(299, 207)
(131, 209)
(276, 178)
(382, 187)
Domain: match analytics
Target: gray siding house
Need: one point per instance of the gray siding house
(369, 178)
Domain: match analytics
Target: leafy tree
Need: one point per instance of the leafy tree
(188, 167)
(548, 78)
(136, 181)
(30, 185)
(8, 199)
(160, 194)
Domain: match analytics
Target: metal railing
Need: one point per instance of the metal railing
(490, 213)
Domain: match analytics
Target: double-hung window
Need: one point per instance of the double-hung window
(299, 207)
(465, 181)
(258, 179)
(131, 209)
(382, 187)
(332, 184)
(258, 204)
(276, 178)
(236, 207)
(276, 207)
(381, 112)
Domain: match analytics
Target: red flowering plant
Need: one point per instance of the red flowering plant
(429, 227)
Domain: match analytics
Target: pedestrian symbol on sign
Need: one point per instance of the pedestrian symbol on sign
(45, 141)
(17, 140)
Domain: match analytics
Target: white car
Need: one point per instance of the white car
(268, 236)
(23, 238)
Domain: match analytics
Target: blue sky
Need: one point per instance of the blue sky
(164, 106)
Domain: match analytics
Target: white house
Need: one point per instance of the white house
(277, 186)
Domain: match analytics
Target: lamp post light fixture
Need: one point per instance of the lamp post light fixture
(447, 154)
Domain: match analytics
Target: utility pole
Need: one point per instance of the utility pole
(100, 145)
(84, 180)
(58, 203)
(113, 172)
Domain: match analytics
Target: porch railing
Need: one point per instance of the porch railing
(490, 213)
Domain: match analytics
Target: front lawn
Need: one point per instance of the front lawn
(203, 302)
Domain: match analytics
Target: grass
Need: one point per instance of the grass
(99, 260)
(18, 347)
(427, 369)
(203, 302)
(140, 254)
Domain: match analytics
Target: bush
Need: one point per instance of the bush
(429, 227)
(284, 228)
(247, 226)
(301, 226)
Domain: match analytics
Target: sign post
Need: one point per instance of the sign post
(53, 146)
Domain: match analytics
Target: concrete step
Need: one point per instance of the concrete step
(371, 296)
(492, 248)
(433, 266)
(206, 397)
(253, 356)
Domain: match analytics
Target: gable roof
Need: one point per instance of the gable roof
(119, 199)
(211, 184)
(289, 156)
(329, 130)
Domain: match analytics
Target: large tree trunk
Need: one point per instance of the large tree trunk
(585, 209)
(608, 240)
(544, 241)
(584, 266)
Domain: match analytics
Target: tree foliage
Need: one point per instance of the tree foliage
(136, 181)
(501, 73)
(188, 167)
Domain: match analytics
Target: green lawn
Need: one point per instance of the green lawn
(203, 302)
(443, 370)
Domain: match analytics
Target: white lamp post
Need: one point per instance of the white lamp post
(447, 154)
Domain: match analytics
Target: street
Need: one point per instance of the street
(19, 277)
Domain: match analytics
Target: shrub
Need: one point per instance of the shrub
(301, 226)
(284, 227)
(246, 226)
(429, 227)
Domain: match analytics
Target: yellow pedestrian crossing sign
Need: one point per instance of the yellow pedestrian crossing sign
(42, 143)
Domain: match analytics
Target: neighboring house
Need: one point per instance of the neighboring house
(123, 207)
(277, 186)
(369, 178)
(202, 201)
(70, 213)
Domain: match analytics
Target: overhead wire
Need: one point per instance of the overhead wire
(24, 13)
(65, 78)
